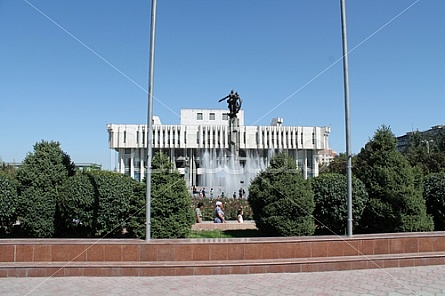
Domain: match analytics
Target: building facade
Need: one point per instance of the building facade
(431, 137)
(198, 147)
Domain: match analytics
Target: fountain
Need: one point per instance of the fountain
(226, 175)
(224, 170)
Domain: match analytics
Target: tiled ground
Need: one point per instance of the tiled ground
(426, 280)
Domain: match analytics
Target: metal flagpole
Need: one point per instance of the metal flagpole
(150, 122)
(347, 119)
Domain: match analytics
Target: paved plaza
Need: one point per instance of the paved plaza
(426, 280)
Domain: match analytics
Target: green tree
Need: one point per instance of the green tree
(8, 201)
(171, 205)
(282, 201)
(338, 164)
(40, 177)
(426, 151)
(395, 201)
(331, 210)
(8, 169)
(434, 194)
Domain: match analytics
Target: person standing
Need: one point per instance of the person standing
(195, 192)
(219, 213)
(240, 215)
(198, 212)
(241, 193)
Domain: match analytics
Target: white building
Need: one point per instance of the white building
(198, 147)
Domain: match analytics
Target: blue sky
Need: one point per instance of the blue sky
(68, 68)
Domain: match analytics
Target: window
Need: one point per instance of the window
(225, 116)
(199, 116)
(125, 137)
(212, 116)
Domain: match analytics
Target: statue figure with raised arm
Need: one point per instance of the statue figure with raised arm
(234, 103)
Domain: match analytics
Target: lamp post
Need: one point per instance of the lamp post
(427, 142)
(150, 123)
(347, 118)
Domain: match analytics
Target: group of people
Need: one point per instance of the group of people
(201, 193)
(241, 193)
(218, 213)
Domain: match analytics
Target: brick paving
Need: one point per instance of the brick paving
(424, 280)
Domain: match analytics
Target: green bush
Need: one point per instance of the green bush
(434, 194)
(97, 204)
(78, 203)
(282, 201)
(8, 201)
(105, 203)
(331, 207)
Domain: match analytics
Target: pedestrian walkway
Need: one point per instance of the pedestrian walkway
(424, 280)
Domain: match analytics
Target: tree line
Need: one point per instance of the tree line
(47, 197)
(392, 191)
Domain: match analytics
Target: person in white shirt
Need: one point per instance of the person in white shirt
(240, 215)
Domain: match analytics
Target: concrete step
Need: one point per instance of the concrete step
(177, 268)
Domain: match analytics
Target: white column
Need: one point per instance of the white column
(315, 164)
(212, 138)
(141, 164)
(121, 161)
(132, 163)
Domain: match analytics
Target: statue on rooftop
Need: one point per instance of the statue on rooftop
(234, 103)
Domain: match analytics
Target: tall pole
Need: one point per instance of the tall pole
(427, 142)
(150, 122)
(347, 119)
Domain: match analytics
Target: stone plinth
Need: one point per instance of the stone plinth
(132, 257)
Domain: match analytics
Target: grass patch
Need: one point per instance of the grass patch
(244, 233)
(208, 234)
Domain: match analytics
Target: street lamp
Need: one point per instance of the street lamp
(150, 123)
(427, 142)
(347, 117)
